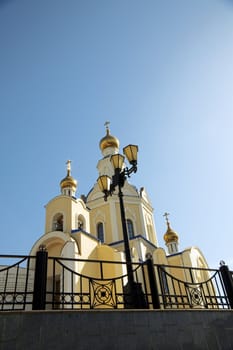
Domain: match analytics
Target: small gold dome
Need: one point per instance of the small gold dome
(170, 236)
(108, 141)
(68, 181)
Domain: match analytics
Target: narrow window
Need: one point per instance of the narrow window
(100, 232)
(130, 229)
(58, 222)
(81, 223)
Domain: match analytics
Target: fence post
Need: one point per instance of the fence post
(228, 282)
(40, 279)
(153, 284)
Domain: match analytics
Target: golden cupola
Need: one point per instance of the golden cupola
(108, 141)
(68, 184)
(171, 237)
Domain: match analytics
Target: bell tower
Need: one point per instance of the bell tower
(105, 216)
(65, 212)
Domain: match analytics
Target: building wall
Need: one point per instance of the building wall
(116, 330)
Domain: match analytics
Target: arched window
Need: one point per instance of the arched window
(80, 222)
(58, 222)
(130, 229)
(100, 232)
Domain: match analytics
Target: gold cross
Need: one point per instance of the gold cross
(68, 166)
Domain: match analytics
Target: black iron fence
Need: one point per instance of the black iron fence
(86, 284)
(41, 282)
(16, 282)
(185, 287)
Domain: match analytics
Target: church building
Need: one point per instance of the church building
(91, 228)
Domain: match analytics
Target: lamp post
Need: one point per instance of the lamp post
(108, 185)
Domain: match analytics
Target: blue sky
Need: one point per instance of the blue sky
(160, 71)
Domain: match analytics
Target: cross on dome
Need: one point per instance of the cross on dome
(166, 217)
(68, 166)
(106, 124)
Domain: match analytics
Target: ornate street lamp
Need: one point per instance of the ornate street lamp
(108, 185)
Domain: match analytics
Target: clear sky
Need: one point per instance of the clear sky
(161, 71)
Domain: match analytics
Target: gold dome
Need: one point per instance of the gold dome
(108, 140)
(170, 236)
(68, 181)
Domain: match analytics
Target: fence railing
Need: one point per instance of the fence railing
(88, 284)
(16, 282)
(41, 282)
(185, 287)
